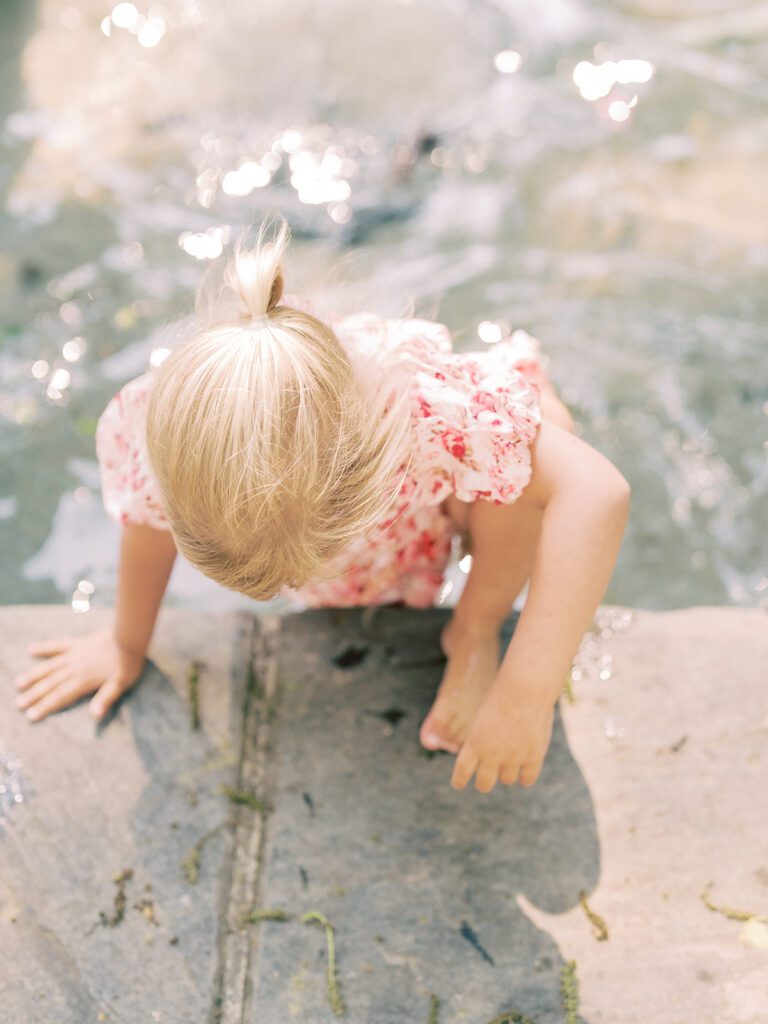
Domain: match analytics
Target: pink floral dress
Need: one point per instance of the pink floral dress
(474, 416)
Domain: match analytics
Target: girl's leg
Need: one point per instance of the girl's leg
(504, 568)
(470, 640)
(473, 652)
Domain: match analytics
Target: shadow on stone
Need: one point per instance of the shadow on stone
(128, 804)
(419, 881)
(181, 808)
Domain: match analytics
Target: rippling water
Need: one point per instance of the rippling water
(591, 172)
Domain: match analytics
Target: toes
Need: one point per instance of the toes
(509, 776)
(443, 744)
(429, 737)
(457, 728)
(450, 736)
(434, 736)
(486, 779)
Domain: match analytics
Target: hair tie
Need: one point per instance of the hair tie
(260, 321)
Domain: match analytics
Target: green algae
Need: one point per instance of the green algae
(434, 1009)
(193, 693)
(569, 992)
(729, 912)
(599, 927)
(245, 798)
(253, 687)
(121, 900)
(334, 995)
(191, 863)
(511, 1017)
(266, 914)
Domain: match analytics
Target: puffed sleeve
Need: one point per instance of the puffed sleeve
(475, 416)
(377, 340)
(130, 492)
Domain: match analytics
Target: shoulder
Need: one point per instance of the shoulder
(131, 494)
(475, 416)
(124, 416)
(129, 399)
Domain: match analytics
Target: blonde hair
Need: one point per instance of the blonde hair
(271, 447)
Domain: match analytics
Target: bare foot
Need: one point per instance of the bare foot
(473, 662)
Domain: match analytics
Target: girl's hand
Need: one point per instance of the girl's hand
(507, 741)
(75, 666)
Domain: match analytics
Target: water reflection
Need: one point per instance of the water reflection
(522, 164)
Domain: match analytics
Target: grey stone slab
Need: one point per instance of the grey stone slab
(367, 830)
(137, 796)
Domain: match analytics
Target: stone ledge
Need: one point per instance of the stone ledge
(653, 788)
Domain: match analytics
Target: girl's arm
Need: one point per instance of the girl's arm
(108, 661)
(585, 502)
(146, 560)
(586, 505)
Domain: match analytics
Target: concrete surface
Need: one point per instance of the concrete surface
(653, 788)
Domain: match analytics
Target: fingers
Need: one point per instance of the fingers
(60, 689)
(45, 648)
(530, 774)
(508, 776)
(61, 696)
(39, 689)
(105, 697)
(26, 679)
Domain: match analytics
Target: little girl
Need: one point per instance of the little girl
(336, 460)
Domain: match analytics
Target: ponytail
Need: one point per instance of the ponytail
(256, 277)
(250, 285)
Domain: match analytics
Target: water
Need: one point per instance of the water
(620, 215)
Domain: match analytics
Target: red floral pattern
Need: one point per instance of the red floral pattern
(474, 418)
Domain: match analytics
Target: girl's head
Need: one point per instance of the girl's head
(270, 450)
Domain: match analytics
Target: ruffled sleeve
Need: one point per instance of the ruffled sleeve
(474, 416)
(370, 336)
(130, 492)
(371, 339)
